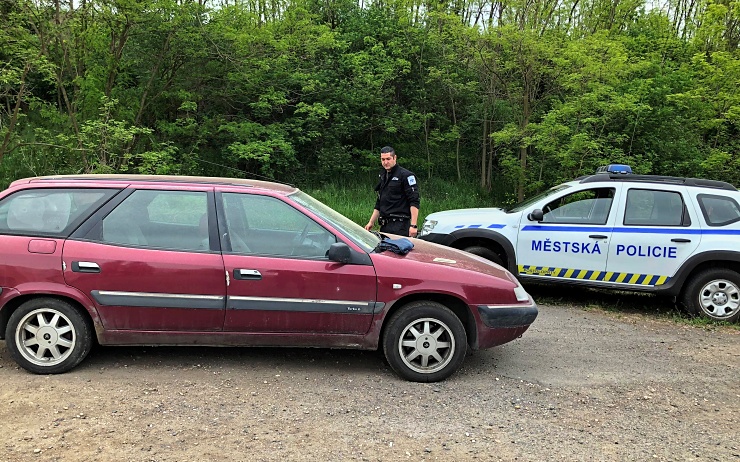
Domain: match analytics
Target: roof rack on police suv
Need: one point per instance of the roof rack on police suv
(608, 175)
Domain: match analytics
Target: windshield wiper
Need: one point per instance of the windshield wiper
(380, 236)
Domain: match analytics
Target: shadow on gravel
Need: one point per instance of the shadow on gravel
(268, 360)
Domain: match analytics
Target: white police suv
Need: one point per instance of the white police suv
(616, 230)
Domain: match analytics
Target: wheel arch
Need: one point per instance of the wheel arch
(458, 306)
(700, 262)
(13, 304)
(489, 239)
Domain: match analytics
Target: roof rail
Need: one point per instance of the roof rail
(123, 178)
(698, 182)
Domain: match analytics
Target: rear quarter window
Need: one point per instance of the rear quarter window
(49, 212)
(718, 210)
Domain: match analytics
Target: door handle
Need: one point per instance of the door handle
(247, 274)
(598, 236)
(680, 239)
(85, 267)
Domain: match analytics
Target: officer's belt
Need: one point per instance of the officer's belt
(393, 217)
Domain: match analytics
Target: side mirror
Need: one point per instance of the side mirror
(340, 252)
(536, 215)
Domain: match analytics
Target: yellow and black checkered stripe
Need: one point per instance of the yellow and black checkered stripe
(590, 275)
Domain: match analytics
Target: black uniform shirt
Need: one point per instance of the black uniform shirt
(397, 192)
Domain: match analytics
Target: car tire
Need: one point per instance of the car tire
(425, 342)
(715, 294)
(486, 253)
(48, 336)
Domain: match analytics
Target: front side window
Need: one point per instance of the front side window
(647, 207)
(352, 230)
(583, 207)
(718, 210)
(175, 220)
(536, 198)
(55, 212)
(267, 226)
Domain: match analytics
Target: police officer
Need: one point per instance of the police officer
(397, 206)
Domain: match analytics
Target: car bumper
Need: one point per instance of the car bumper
(507, 316)
(502, 324)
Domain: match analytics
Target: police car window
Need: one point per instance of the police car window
(647, 207)
(536, 198)
(267, 226)
(583, 207)
(718, 210)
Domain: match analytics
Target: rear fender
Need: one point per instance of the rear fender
(10, 299)
(720, 258)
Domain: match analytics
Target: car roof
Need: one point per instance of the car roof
(658, 179)
(101, 179)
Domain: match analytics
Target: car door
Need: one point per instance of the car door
(280, 277)
(571, 240)
(655, 234)
(149, 261)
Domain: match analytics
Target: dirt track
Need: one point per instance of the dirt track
(580, 385)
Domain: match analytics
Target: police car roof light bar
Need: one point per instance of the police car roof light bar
(615, 168)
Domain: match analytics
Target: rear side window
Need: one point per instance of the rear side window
(718, 210)
(49, 212)
(174, 220)
(647, 207)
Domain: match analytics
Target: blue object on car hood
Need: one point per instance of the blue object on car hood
(400, 246)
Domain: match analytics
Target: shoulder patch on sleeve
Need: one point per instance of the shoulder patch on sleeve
(412, 180)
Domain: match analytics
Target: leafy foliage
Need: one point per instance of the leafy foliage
(509, 97)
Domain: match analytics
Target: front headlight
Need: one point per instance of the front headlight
(428, 227)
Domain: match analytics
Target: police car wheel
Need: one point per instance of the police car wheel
(486, 253)
(48, 336)
(714, 293)
(425, 342)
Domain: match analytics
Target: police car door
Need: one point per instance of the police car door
(655, 233)
(568, 238)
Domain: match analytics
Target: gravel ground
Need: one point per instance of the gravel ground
(579, 385)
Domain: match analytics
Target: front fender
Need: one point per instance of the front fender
(488, 234)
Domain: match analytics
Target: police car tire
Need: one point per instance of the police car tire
(486, 253)
(40, 320)
(727, 284)
(414, 317)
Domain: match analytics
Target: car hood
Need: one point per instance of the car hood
(434, 254)
(489, 214)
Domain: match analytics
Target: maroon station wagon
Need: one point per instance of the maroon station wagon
(157, 260)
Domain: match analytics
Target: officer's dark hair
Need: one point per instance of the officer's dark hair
(387, 149)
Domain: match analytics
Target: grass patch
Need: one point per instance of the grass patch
(357, 200)
(620, 303)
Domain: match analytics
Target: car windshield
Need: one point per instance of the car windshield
(349, 228)
(527, 202)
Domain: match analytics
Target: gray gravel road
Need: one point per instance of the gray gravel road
(580, 385)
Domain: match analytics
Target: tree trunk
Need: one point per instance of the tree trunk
(457, 144)
(484, 149)
(16, 110)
